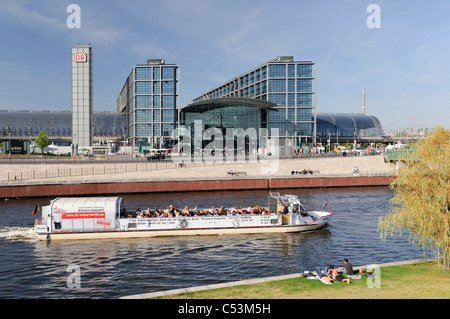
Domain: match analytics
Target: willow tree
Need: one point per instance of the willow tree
(421, 202)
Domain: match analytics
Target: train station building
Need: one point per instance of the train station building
(277, 99)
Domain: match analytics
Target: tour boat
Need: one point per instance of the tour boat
(107, 218)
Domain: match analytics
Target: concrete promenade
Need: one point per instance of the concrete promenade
(254, 281)
(42, 180)
(93, 172)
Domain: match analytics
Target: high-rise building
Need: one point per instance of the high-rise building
(82, 109)
(149, 97)
(288, 83)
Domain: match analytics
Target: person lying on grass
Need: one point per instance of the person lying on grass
(337, 276)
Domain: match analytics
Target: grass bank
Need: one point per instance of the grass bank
(415, 281)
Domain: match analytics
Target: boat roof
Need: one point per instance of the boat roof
(286, 198)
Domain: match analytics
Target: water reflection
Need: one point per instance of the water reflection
(114, 268)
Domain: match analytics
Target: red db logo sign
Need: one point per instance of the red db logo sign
(80, 57)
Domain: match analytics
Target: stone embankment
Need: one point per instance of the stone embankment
(141, 178)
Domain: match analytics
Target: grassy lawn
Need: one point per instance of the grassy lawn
(415, 281)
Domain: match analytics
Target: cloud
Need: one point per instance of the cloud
(49, 18)
(17, 12)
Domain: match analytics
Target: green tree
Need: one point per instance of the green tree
(42, 141)
(421, 201)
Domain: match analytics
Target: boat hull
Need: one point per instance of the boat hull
(122, 234)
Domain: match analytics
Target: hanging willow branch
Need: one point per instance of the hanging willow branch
(421, 202)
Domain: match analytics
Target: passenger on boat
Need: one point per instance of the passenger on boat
(148, 212)
(186, 211)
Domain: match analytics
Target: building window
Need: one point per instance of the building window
(277, 71)
(143, 116)
(156, 73)
(257, 75)
(167, 129)
(167, 101)
(276, 115)
(263, 73)
(156, 130)
(277, 86)
(304, 129)
(291, 85)
(144, 87)
(143, 73)
(143, 101)
(168, 87)
(167, 73)
(304, 115)
(280, 99)
(304, 99)
(167, 116)
(291, 99)
(143, 129)
(156, 117)
(291, 114)
(156, 101)
(304, 70)
(156, 87)
(305, 85)
(291, 71)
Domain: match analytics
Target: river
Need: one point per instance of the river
(114, 268)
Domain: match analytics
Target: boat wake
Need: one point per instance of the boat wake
(17, 233)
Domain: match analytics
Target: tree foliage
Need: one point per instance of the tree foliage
(42, 141)
(421, 202)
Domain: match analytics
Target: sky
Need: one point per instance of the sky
(402, 63)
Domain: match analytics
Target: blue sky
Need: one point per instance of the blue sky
(404, 65)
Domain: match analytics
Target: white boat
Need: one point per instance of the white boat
(105, 218)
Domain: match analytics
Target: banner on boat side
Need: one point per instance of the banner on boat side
(82, 213)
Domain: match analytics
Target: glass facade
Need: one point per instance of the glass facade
(150, 99)
(227, 113)
(288, 83)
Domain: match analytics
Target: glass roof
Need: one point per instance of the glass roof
(57, 124)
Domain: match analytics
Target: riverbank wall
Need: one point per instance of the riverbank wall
(71, 188)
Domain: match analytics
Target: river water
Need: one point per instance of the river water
(114, 268)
